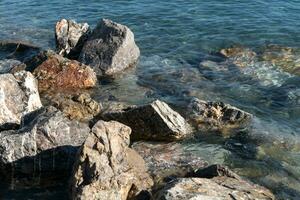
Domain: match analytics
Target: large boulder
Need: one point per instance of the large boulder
(221, 184)
(45, 145)
(154, 121)
(60, 74)
(18, 97)
(106, 167)
(217, 116)
(70, 37)
(166, 160)
(110, 48)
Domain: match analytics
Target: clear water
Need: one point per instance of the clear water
(174, 37)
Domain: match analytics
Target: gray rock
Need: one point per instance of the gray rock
(165, 160)
(18, 97)
(217, 116)
(70, 37)
(220, 183)
(7, 65)
(106, 167)
(46, 144)
(110, 48)
(154, 121)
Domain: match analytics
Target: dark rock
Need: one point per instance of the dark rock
(217, 116)
(154, 121)
(47, 145)
(18, 97)
(215, 171)
(70, 37)
(60, 74)
(106, 167)
(110, 48)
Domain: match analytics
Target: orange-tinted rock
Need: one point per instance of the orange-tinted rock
(58, 73)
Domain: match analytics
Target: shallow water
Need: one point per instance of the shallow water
(174, 37)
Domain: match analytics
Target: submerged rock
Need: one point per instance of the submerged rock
(8, 65)
(220, 184)
(60, 74)
(106, 167)
(165, 160)
(240, 56)
(70, 37)
(110, 48)
(154, 121)
(18, 97)
(46, 145)
(17, 50)
(217, 116)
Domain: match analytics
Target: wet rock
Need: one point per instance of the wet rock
(80, 107)
(106, 167)
(8, 65)
(70, 37)
(286, 58)
(18, 96)
(17, 50)
(154, 121)
(60, 74)
(165, 160)
(110, 48)
(45, 145)
(217, 116)
(218, 183)
(240, 56)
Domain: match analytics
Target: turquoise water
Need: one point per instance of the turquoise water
(174, 37)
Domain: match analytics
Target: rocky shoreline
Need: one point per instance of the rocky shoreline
(51, 128)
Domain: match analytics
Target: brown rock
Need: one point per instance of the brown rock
(240, 56)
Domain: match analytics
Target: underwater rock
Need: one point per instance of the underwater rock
(240, 56)
(46, 144)
(17, 50)
(220, 184)
(70, 37)
(59, 74)
(217, 116)
(80, 107)
(18, 97)
(165, 160)
(106, 167)
(8, 65)
(110, 48)
(155, 121)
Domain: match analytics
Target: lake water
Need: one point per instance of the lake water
(175, 37)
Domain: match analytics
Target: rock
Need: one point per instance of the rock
(18, 96)
(165, 160)
(110, 48)
(7, 65)
(17, 50)
(106, 167)
(45, 146)
(154, 121)
(80, 107)
(60, 74)
(217, 116)
(240, 56)
(70, 37)
(220, 184)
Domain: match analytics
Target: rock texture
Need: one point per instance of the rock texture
(8, 65)
(154, 121)
(165, 160)
(106, 167)
(240, 56)
(110, 48)
(18, 96)
(46, 144)
(70, 37)
(217, 116)
(60, 74)
(221, 184)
